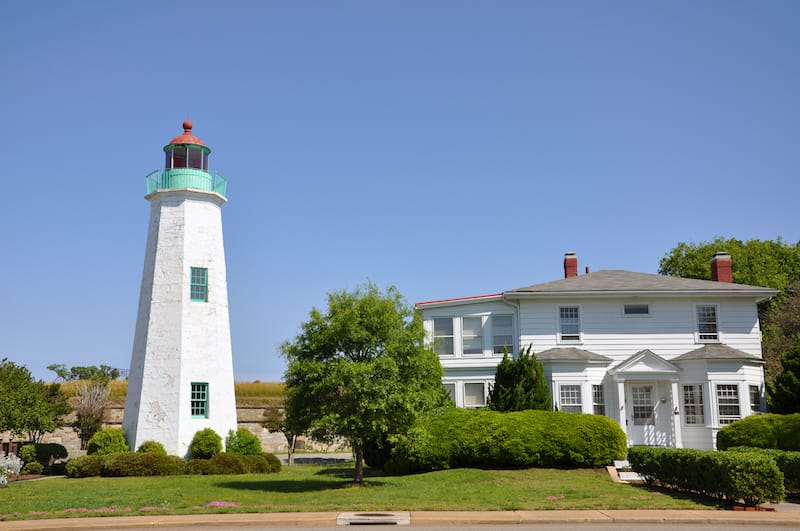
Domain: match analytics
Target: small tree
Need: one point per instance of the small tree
(28, 406)
(90, 410)
(277, 420)
(519, 384)
(784, 393)
(360, 371)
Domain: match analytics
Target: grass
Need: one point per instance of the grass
(329, 488)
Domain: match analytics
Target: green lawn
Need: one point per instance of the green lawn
(328, 488)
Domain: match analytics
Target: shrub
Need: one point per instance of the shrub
(151, 447)
(201, 467)
(205, 444)
(143, 464)
(85, 466)
(264, 463)
(34, 467)
(788, 463)
(781, 432)
(455, 438)
(730, 476)
(243, 441)
(106, 442)
(46, 454)
(225, 463)
(28, 453)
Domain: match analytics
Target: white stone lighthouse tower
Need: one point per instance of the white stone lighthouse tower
(181, 375)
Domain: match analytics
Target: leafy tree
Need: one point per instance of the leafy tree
(243, 441)
(104, 373)
(773, 264)
(520, 384)
(784, 392)
(28, 406)
(292, 425)
(90, 410)
(362, 369)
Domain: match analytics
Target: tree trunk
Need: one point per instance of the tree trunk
(359, 454)
(292, 444)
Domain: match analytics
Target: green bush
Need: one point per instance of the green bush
(788, 463)
(151, 447)
(143, 464)
(28, 453)
(242, 441)
(85, 466)
(46, 454)
(205, 444)
(781, 432)
(264, 463)
(106, 442)
(748, 477)
(34, 467)
(225, 463)
(200, 467)
(453, 438)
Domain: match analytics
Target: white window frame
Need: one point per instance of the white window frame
(495, 346)
(567, 403)
(724, 420)
(463, 336)
(560, 334)
(598, 406)
(638, 406)
(485, 393)
(755, 405)
(452, 336)
(697, 323)
(701, 404)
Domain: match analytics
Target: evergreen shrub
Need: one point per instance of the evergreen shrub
(731, 476)
(85, 466)
(454, 438)
(205, 444)
(143, 464)
(151, 447)
(106, 442)
(242, 441)
(781, 432)
(45, 454)
(34, 467)
(788, 463)
(225, 463)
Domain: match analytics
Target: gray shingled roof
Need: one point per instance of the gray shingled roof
(570, 354)
(629, 282)
(716, 351)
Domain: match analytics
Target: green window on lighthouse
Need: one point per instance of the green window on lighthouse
(198, 290)
(199, 400)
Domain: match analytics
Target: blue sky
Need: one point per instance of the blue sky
(448, 148)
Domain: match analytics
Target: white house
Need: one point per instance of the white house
(670, 359)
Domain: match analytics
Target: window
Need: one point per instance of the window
(450, 388)
(472, 335)
(636, 309)
(443, 336)
(693, 405)
(728, 403)
(642, 396)
(755, 399)
(570, 399)
(199, 400)
(598, 400)
(707, 323)
(502, 334)
(474, 394)
(569, 323)
(199, 284)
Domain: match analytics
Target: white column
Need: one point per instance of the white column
(676, 419)
(623, 414)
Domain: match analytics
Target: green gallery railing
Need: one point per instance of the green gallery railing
(207, 181)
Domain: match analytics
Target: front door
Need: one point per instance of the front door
(646, 422)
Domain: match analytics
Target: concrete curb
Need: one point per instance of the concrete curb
(431, 518)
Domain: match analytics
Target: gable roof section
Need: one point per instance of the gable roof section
(717, 351)
(572, 354)
(644, 364)
(618, 282)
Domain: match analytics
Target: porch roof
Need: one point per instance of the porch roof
(572, 354)
(717, 351)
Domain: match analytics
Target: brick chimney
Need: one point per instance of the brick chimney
(570, 265)
(721, 267)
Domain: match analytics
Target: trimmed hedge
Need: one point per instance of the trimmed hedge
(788, 463)
(85, 466)
(781, 432)
(731, 476)
(143, 464)
(230, 463)
(205, 444)
(453, 438)
(106, 442)
(155, 464)
(151, 447)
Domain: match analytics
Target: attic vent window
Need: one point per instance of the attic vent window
(637, 309)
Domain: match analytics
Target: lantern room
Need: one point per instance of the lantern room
(186, 151)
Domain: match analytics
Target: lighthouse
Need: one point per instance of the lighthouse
(181, 373)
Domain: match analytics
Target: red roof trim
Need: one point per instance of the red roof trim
(460, 299)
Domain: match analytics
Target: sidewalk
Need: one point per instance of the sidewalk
(429, 518)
